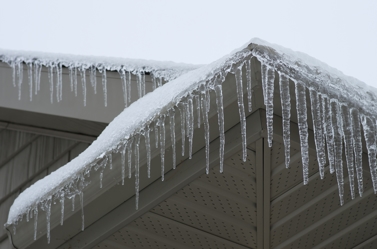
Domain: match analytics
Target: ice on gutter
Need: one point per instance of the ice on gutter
(83, 66)
(338, 116)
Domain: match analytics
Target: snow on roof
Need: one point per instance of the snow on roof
(341, 106)
(167, 69)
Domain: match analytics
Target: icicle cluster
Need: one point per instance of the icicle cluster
(83, 71)
(334, 123)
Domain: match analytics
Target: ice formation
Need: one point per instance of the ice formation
(338, 118)
(86, 67)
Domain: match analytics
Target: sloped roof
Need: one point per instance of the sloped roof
(344, 105)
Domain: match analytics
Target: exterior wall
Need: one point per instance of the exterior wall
(26, 158)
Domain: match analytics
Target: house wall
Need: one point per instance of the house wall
(24, 159)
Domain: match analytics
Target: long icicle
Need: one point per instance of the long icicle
(129, 150)
(147, 140)
(358, 148)
(338, 146)
(204, 107)
(220, 120)
(197, 101)
(93, 78)
(190, 122)
(51, 81)
(269, 94)
(137, 142)
(162, 145)
(35, 222)
(81, 195)
(369, 128)
(48, 218)
(30, 79)
(83, 83)
(349, 145)
(318, 130)
(249, 85)
(329, 132)
(182, 110)
(62, 198)
(172, 135)
(123, 77)
(20, 73)
(303, 128)
(285, 99)
(104, 85)
(241, 110)
(128, 87)
(123, 160)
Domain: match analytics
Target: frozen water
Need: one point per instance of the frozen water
(337, 116)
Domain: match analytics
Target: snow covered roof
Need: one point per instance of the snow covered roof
(341, 107)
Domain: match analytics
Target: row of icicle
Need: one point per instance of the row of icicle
(333, 123)
(55, 74)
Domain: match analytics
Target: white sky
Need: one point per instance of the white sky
(341, 33)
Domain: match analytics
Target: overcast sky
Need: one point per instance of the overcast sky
(341, 33)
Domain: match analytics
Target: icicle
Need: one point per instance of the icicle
(104, 85)
(75, 80)
(100, 178)
(348, 143)
(220, 120)
(148, 149)
(182, 111)
(370, 140)
(241, 110)
(48, 216)
(62, 197)
(162, 145)
(329, 132)
(318, 130)
(154, 85)
(264, 73)
(14, 229)
(197, 100)
(128, 86)
(110, 158)
(20, 77)
(93, 78)
(81, 195)
(137, 142)
(83, 82)
(204, 107)
(30, 79)
(142, 81)
(269, 104)
(51, 81)
(123, 77)
(172, 135)
(35, 222)
(59, 67)
(138, 83)
(358, 148)
(338, 146)
(13, 66)
(70, 70)
(123, 159)
(73, 202)
(285, 99)
(28, 215)
(129, 149)
(303, 128)
(156, 133)
(37, 77)
(248, 79)
(190, 123)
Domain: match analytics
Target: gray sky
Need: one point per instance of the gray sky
(341, 33)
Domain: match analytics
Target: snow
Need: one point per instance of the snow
(340, 106)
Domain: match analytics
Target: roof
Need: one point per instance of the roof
(340, 111)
